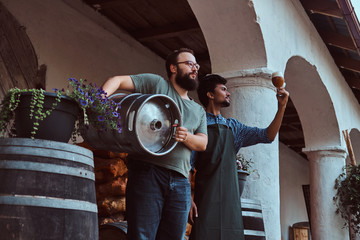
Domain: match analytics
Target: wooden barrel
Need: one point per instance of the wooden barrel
(253, 219)
(113, 231)
(47, 191)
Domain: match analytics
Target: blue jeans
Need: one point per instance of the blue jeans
(158, 202)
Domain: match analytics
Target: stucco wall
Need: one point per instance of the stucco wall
(75, 41)
(288, 32)
(294, 172)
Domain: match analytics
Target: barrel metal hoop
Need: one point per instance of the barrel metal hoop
(46, 167)
(254, 233)
(43, 201)
(46, 152)
(52, 145)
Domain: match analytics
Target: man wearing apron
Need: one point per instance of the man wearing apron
(217, 205)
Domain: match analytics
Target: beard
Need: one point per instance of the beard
(225, 104)
(186, 82)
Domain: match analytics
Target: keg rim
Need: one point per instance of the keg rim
(159, 152)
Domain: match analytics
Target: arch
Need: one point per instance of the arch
(232, 33)
(313, 104)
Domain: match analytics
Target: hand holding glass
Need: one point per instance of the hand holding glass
(278, 80)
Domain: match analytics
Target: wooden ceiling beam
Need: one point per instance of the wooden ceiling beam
(353, 82)
(102, 4)
(291, 120)
(174, 30)
(347, 63)
(338, 40)
(291, 128)
(291, 111)
(294, 142)
(323, 7)
(357, 95)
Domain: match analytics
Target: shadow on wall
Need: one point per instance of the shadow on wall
(355, 141)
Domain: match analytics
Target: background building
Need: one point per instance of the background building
(315, 43)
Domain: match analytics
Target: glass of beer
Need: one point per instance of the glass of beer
(278, 80)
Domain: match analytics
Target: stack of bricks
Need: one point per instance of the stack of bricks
(110, 184)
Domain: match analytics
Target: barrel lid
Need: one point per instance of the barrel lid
(36, 143)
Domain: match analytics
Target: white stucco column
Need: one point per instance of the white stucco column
(254, 103)
(325, 166)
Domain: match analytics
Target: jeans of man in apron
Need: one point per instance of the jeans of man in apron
(158, 202)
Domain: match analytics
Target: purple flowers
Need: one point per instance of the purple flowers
(80, 91)
(243, 164)
(83, 102)
(101, 118)
(98, 110)
(239, 165)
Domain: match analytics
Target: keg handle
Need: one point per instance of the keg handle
(175, 125)
(131, 120)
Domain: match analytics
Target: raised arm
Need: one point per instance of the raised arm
(118, 83)
(272, 130)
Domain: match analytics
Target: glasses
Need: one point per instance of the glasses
(191, 64)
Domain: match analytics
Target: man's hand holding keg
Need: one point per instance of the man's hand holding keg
(184, 136)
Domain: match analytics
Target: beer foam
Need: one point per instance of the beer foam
(276, 74)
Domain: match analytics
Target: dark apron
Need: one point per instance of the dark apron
(216, 189)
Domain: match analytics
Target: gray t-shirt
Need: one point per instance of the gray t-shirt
(192, 115)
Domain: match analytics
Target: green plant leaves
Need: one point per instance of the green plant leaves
(347, 198)
(243, 164)
(37, 112)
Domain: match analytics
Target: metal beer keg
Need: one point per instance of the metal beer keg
(147, 122)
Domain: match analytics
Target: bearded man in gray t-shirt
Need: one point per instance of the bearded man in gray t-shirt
(158, 192)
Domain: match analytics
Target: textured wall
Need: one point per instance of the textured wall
(294, 172)
(75, 41)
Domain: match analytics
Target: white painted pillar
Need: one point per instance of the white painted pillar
(325, 166)
(254, 103)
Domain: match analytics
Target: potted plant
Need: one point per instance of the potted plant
(243, 166)
(34, 113)
(347, 198)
